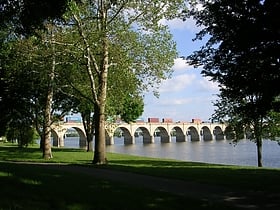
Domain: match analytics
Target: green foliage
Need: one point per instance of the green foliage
(243, 59)
(102, 53)
(28, 15)
(132, 109)
(242, 55)
(22, 134)
(272, 126)
(25, 71)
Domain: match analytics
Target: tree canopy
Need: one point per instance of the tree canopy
(122, 36)
(104, 54)
(242, 55)
(25, 16)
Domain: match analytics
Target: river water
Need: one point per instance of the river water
(222, 152)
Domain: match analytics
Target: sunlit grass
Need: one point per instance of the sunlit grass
(30, 181)
(4, 174)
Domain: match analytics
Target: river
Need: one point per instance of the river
(222, 152)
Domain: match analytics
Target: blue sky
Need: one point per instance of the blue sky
(187, 94)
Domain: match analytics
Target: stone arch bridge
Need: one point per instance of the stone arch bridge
(181, 131)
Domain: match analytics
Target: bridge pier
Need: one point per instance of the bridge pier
(165, 139)
(194, 137)
(206, 137)
(110, 140)
(129, 139)
(61, 141)
(218, 134)
(55, 141)
(83, 142)
(180, 138)
(58, 140)
(148, 139)
(219, 137)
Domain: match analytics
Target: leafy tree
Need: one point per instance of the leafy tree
(121, 82)
(145, 49)
(242, 55)
(124, 35)
(16, 94)
(28, 80)
(28, 15)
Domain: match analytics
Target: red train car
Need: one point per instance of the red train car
(167, 120)
(197, 121)
(153, 120)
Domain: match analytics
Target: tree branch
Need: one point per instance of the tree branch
(117, 13)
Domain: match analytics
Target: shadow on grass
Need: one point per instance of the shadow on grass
(249, 178)
(36, 187)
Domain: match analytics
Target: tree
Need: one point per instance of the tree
(242, 55)
(122, 83)
(27, 16)
(28, 80)
(123, 35)
(16, 92)
(145, 47)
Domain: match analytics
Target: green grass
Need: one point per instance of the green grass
(33, 187)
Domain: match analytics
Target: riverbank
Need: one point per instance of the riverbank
(128, 180)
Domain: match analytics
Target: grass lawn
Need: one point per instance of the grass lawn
(31, 187)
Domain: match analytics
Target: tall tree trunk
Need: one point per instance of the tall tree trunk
(258, 126)
(100, 146)
(259, 151)
(100, 135)
(99, 113)
(47, 152)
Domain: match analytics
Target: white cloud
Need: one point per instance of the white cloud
(178, 101)
(206, 85)
(177, 83)
(178, 24)
(180, 64)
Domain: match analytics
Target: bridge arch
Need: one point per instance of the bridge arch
(179, 134)
(146, 135)
(229, 133)
(163, 134)
(206, 133)
(128, 137)
(193, 133)
(59, 131)
(82, 136)
(183, 131)
(218, 133)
